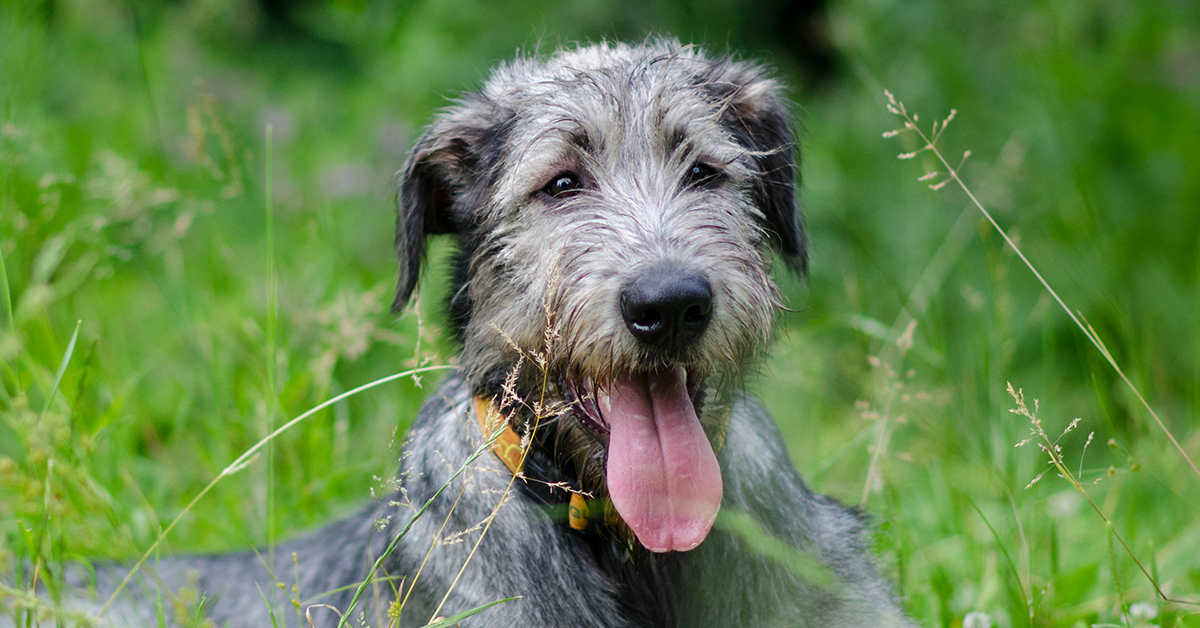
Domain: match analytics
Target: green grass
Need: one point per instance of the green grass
(134, 178)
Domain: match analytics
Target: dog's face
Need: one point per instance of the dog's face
(617, 210)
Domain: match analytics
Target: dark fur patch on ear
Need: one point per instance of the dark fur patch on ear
(423, 208)
(760, 120)
(458, 146)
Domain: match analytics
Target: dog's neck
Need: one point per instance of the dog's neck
(583, 514)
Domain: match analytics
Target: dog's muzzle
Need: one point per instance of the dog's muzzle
(663, 476)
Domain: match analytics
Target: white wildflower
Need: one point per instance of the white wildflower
(977, 619)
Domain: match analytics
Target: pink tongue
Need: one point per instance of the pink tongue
(663, 476)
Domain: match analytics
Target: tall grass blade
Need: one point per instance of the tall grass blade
(159, 614)
(450, 621)
(758, 539)
(1012, 566)
(62, 368)
(198, 620)
(272, 399)
(1116, 572)
(270, 610)
(240, 461)
(6, 293)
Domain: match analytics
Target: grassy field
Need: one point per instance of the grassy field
(195, 229)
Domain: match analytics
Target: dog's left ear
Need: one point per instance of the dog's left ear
(436, 176)
(758, 114)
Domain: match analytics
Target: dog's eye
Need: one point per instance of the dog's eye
(701, 175)
(563, 185)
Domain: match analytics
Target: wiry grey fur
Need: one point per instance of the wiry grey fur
(542, 276)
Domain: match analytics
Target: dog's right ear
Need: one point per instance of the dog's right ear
(437, 174)
(756, 112)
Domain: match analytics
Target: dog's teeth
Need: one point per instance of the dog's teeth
(588, 384)
(605, 402)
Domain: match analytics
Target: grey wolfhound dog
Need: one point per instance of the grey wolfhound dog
(617, 211)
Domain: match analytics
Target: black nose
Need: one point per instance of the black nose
(667, 306)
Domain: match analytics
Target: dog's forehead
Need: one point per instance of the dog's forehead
(629, 64)
(611, 85)
(628, 107)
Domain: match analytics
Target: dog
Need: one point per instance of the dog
(617, 210)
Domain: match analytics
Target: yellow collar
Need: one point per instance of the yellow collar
(508, 445)
(508, 449)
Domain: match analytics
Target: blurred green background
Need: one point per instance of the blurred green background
(133, 183)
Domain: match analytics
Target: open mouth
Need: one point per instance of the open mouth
(579, 393)
(663, 476)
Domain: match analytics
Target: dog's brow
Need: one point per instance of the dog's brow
(676, 136)
(581, 140)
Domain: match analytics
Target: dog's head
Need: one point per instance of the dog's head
(617, 210)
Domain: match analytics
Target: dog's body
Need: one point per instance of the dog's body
(565, 578)
(615, 208)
